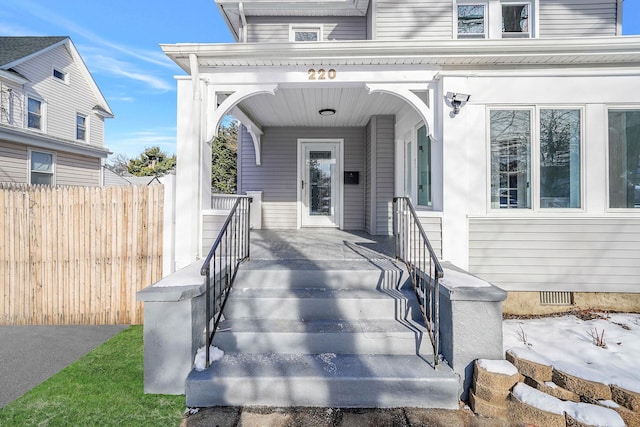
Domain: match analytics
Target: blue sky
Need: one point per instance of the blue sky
(119, 40)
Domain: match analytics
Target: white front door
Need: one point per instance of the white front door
(320, 169)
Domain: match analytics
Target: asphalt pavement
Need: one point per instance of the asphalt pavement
(31, 354)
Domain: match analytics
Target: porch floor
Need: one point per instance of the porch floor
(316, 244)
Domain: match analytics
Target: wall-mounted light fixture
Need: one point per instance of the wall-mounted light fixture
(456, 100)
(327, 112)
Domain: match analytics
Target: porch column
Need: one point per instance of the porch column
(193, 173)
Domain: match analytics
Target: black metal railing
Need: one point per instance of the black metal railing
(415, 250)
(221, 265)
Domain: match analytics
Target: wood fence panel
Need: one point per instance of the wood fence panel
(78, 255)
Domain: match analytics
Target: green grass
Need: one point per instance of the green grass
(104, 388)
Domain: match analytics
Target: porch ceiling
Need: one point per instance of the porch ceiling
(299, 107)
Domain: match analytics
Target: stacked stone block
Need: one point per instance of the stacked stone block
(490, 389)
(490, 394)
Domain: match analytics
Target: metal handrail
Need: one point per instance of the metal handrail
(415, 250)
(221, 264)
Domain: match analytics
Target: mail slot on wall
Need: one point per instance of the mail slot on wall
(351, 177)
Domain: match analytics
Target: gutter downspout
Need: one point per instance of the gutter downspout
(243, 18)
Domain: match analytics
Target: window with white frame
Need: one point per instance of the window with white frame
(309, 33)
(81, 127)
(558, 150)
(60, 75)
(419, 167)
(516, 19)
(471, 20)
(624, 158)
(510, 136)
(34, 113)
(424, 167)
(41, 168)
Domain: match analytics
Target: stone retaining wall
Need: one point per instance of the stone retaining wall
(491, 395)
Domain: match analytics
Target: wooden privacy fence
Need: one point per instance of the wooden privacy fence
(78, 255)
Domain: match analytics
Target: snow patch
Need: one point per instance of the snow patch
(503, 367)
(538, 399)
(594, 415)
(215, 354)
(609, 404)
(527, 353)
(456, 279)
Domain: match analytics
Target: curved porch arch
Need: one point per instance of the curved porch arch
(405, 92)
(229, 106)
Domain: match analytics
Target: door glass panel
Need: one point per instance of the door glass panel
(320, 167)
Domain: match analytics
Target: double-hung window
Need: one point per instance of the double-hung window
(81, 127)
(516, 19)
(557, 154)
(624, 158)
(34, 113)
(41, 168)
(472, 20)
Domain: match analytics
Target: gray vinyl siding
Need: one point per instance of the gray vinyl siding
(75, 169)
(69, 169)
(277, 177)
(572, 254)
(433, 229)
(384, 174)
(413, 19)
(578, 18)
(13, 163)
(276, 28)
(62, 101)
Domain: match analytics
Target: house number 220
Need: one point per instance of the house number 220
(321, 74)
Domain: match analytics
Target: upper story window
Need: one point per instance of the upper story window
(41, 168)
(309, 33)
(34, 113)
(81, 127)
(472, 20)
(624, 158)
(60, 75)
(515, 19)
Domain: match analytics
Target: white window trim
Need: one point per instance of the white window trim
(471, 3)
(531, 5)
(608, 208)
(65, 80)
(54, 161)
(535, 160)
(43, 113)
(86, 127)
(293, 28)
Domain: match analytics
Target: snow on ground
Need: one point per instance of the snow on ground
(570, 343)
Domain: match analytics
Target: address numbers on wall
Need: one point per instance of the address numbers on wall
(321, 74)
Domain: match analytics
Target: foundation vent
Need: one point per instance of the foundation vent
(556, 298)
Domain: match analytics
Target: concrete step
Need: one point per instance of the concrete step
(305, 274)
(320, 304)
(341, 337)
(323, 380)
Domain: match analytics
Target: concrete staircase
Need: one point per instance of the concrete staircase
(340, 333)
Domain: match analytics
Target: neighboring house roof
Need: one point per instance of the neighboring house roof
(16, 50)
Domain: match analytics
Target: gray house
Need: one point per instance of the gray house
(510, 126)
(51, 114)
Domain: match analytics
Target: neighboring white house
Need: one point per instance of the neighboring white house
(51, 114)
(513, 126)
